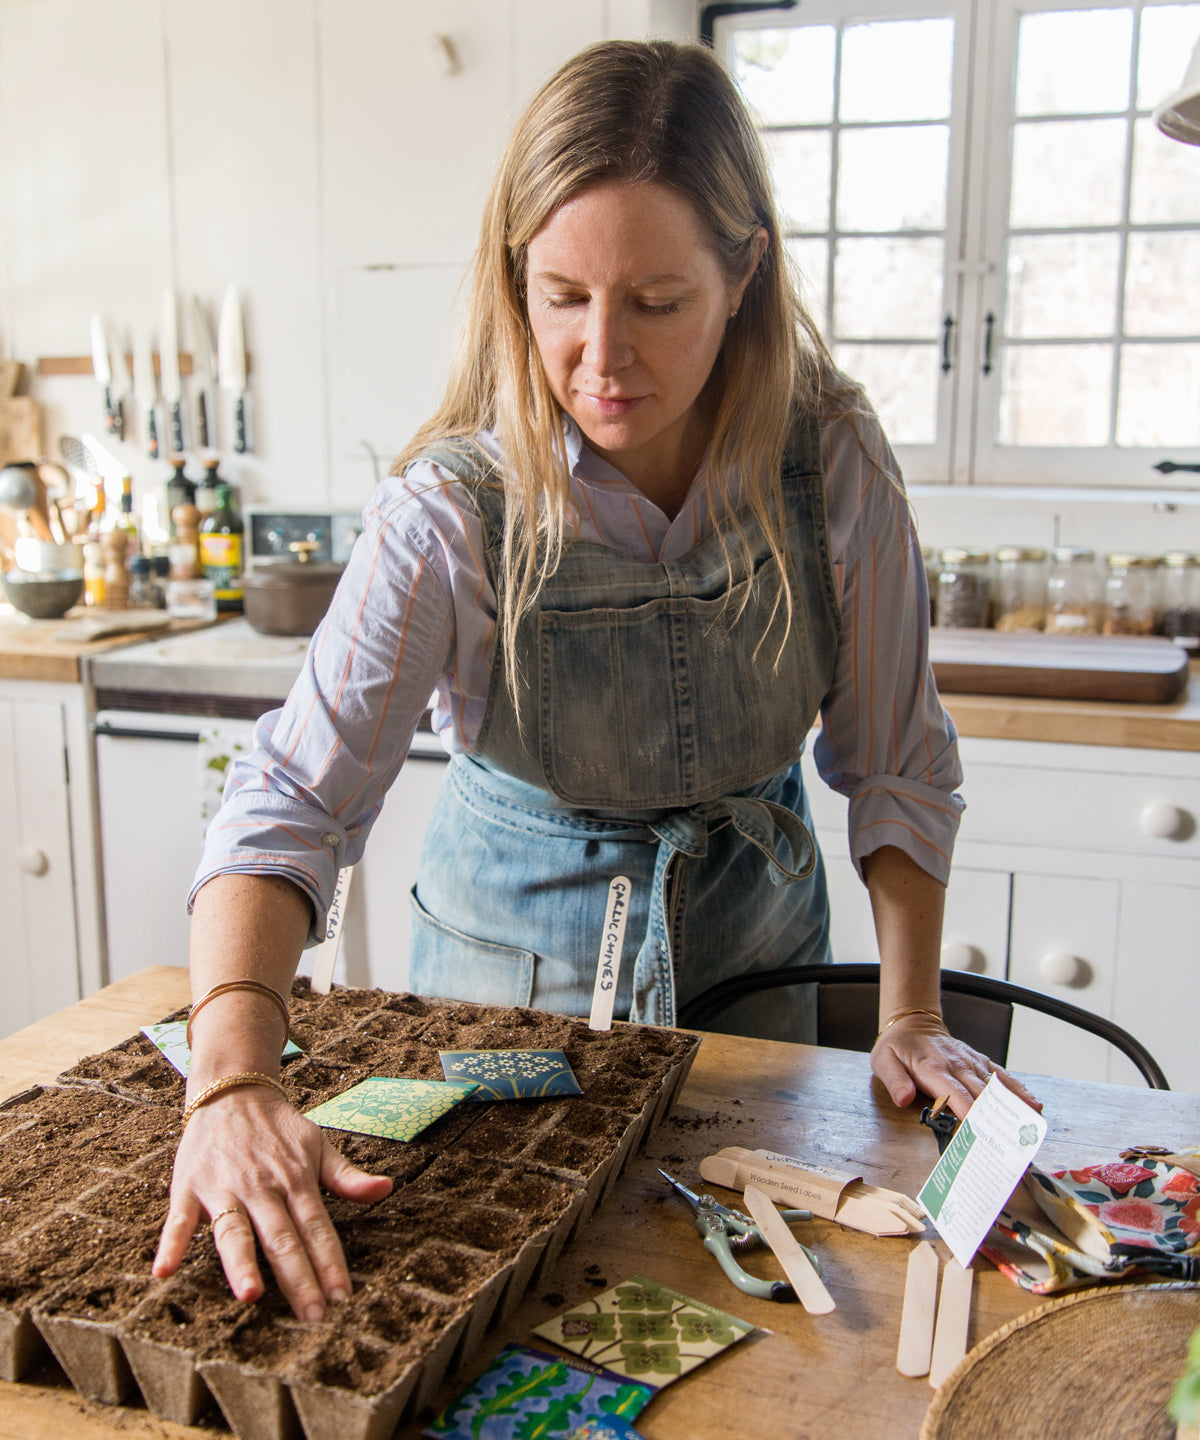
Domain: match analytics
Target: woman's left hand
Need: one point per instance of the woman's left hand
(919, 1053)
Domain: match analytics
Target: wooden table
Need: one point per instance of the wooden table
(820, 1378)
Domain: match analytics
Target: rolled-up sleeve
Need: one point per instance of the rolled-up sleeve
(301, 803)
(885, 741)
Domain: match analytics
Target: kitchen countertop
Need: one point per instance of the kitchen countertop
(54, 650)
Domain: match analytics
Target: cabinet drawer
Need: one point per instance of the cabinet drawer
(1143, 815)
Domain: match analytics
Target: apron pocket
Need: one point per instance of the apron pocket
(454, 966)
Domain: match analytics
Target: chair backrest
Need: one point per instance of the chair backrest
(977, 1008)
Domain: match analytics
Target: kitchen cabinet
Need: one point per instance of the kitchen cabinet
(1076, 873)
(50, 933)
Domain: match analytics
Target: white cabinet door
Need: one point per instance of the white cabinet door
(38, 945)
(1157, 996)
(1064, 943)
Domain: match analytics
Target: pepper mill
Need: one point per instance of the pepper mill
(185, 547)
(114, 544)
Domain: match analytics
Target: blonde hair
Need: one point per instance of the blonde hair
(639, 112)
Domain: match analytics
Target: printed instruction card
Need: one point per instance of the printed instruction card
(970, 1185)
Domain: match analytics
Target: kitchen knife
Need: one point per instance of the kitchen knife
(102, 370)
(231, 363)
(202, 368)
(145, 389)
(121, 384)
(168, 364)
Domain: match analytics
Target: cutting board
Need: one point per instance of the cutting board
(1124, 669)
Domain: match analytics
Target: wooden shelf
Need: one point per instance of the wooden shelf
(82, 364)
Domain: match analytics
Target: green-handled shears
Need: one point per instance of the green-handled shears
(725, 1231)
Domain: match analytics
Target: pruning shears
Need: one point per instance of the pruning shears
(725, 1231)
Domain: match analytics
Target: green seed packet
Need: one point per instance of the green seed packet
(512, 1074)
(645, 1331)
(171, 1038)
(397, 1109)
(525, 1393)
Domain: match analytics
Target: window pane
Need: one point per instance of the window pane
(1055, 395)
(1157, 404)
(787, 74)
(893, 178)
(801, 164)
(901, 382)
(811, 259)
(1073, 62)
(1162, 288)
(1062, 285)
(1065, 173)
(1168, 34)
(1166, 178)
(897, 70)
(888, 288)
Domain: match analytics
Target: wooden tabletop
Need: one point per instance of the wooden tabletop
(821, 1378)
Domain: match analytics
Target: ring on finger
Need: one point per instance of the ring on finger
(229, 1210)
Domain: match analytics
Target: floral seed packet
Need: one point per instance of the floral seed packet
(171, 1038)
(645, 1331)
(512, 1074)
(607, 1429)
(397, 1109)
(526, 1392)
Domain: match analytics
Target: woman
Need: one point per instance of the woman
(650, 532)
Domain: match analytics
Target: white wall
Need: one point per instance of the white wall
(306, 151)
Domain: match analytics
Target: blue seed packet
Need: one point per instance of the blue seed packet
(512, 1074)
(527, 1392)
(611, 1428)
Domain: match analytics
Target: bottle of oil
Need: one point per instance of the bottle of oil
(221, 551)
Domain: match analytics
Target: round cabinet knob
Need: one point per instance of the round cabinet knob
(961, 955)
(32, 860)
(1164, 821)
(1060, 967)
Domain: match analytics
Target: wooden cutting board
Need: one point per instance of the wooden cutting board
(1125, 669)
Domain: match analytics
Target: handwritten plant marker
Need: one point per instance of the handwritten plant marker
(645, 1331)
(512, 1074)
(526, 1392)
(396, 1109)
(326, 953)
(170, 1037)
(612, 942)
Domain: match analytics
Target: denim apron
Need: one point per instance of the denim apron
(663, 709)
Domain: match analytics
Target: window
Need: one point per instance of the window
(991, 231)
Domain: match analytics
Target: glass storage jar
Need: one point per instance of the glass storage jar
(962, 588)
(1020, 586)
(1074, 598)
(1129, 594)
(1179, 598)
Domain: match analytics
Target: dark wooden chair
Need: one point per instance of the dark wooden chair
(977, 1008)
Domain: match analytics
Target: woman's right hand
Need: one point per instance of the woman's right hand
(254, 1166)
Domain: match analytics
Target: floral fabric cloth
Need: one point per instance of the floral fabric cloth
(1069, 1228)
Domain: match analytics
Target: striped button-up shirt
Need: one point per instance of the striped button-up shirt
(414, 617)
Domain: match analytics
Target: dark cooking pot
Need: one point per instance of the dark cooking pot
(289, 597)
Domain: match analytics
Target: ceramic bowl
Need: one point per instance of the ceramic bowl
(42, 596)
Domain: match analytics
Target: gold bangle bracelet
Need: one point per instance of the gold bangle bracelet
(256, 987)
(229, 1082)
(916, 1010)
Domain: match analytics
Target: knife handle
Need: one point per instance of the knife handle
(119, 419)
(177, 428)
(110, 415)
(239, 426)
(151, 434)
(201, 420)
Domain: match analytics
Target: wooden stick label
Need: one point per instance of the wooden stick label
(608, 966)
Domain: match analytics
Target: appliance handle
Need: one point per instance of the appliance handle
(128, 732)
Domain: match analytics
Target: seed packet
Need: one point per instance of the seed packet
(645, 1331)
(397, 1109)
(609, 1428)
(171, 1038)
(526, 1392)
(512, 1074)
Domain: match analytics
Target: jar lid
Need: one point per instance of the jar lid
(1072, 554)
(1122, 560)
(962, 555)
(1019, 552)
(1180, 557)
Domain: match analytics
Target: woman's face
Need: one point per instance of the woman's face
(628, 308)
